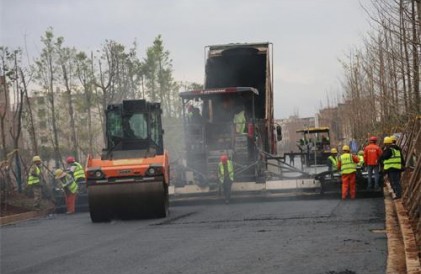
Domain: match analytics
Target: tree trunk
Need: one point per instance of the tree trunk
(415, 60)
(3, 120)
(71, 113)
(31, 129)
(57, 157)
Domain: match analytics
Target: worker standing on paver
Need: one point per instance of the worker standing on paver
(76, 170)
(240, 120)
(347, 164)
(70, 188)
(34, 181)
(393, 163)
(332, 162)
(372, 153)
(226, 176)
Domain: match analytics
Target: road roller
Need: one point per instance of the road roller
(130, 180)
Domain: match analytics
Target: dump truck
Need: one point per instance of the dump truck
(131, 178)
(238, 82)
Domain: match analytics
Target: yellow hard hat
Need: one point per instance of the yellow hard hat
(36, 159)
(387, 140)
(333, 151)
(360, 152)
(345, 148)
(393, 137)
(59, 173)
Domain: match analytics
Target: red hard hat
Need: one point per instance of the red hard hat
(70, 159)
(224, 158)
(373, 139)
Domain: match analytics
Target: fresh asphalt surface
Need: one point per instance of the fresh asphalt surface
(307, 234)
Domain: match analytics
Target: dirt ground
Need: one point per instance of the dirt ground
(19, 203)
(7, 210)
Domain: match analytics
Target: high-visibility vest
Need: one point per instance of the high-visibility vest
(221, 170)
(347, 164)
(334, 162)
(394, 161)
(361, 162)
(78, 173)
(240, 122)
(72, 187)
(33, 180)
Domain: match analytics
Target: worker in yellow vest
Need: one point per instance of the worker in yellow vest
(70, 188)
(360, 164)
(393, 164)
(240, 121)
(34, 180)
(332, 161)
(347, 164)
(76, 170)
(226, 176)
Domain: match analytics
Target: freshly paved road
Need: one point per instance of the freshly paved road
(310, 235)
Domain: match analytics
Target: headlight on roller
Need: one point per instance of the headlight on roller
(98, 174)
(154, 171)
(95, 174)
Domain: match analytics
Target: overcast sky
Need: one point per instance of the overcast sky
(308, 35)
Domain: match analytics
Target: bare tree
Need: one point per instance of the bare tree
(66, 59)
(46, 73)
(382, 81)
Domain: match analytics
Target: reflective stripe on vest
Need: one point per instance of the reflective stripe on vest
(394, 161)
(79, 172)
(334, 162)
(230, 171)
(32, 180)
(347, 164)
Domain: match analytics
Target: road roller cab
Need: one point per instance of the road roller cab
(131, 178)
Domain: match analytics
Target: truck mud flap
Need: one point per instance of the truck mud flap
(134, 200)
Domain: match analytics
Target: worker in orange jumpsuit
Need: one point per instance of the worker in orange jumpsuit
(70, 188)
(347, 164)
(372, 153)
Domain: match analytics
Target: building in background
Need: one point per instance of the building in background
(41, 110)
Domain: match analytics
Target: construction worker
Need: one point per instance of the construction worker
(70, 188)
(347, 164)
(76, 170)
(394, 139)
(226, 176)
(393, 163)
(372, 153)
(332, 161)
(360, 165)
(34, 180)
(240, 120)
(196, 118)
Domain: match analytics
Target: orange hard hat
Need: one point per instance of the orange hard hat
(224, 158)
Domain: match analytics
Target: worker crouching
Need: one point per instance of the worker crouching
(347, 164)
(76, 170)
(70, 188)
(226, 176)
